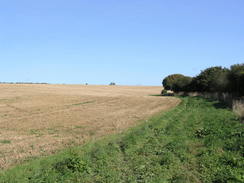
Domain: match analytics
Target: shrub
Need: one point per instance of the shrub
(73, 163)
(177, 82)
(182, 84)
(236, 79)
(169, 81)
(112, 83)
(213, 79)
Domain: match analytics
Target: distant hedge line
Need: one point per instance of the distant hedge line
(21, 83)
(213, 79)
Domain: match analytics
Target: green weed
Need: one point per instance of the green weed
(5, 141)
(82, 103)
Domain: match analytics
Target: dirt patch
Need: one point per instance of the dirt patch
(41, 119)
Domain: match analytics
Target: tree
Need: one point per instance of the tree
(213, 79)
(176, 82)
(236, 79)
(182, 84)
(112, 83)
(169, 81)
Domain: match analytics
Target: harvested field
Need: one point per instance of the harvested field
(41, 119)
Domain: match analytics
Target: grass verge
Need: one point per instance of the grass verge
(198, 141)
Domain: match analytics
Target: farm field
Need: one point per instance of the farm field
(41, 119)
(199, 141)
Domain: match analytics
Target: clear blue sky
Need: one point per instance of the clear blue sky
(134, 42)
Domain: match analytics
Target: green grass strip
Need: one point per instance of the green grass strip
(197, 142)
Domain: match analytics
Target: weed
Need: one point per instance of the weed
(79, 127)
(5, 141)
(36, 132)
(82, 103)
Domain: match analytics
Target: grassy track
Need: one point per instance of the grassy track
(198, 141)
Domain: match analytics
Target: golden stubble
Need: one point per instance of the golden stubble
(41, 119)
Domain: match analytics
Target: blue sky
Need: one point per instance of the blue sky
(130, 42)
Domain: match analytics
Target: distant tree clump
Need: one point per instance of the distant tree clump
(112, 83)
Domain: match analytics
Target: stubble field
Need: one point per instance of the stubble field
(41, 119)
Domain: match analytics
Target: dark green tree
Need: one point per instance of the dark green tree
(182, 84)
(176, 82)
(213, 79)
(112, 83)
(236, 79)
(170, 80)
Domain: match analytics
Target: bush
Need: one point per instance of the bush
(169, 81)
(182, 84)
(236, 79)
(213, 79)
(112, 83)
(177, 82)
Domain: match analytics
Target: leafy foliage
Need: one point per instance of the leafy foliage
(236, 78)
(212, 79)
(176, 82)
(182, 84)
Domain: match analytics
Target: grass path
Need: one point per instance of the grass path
(197, 142)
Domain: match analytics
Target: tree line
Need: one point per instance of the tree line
(22, 83)
(212, 79)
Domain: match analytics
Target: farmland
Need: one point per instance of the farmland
(199, 141)
(38, 120)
